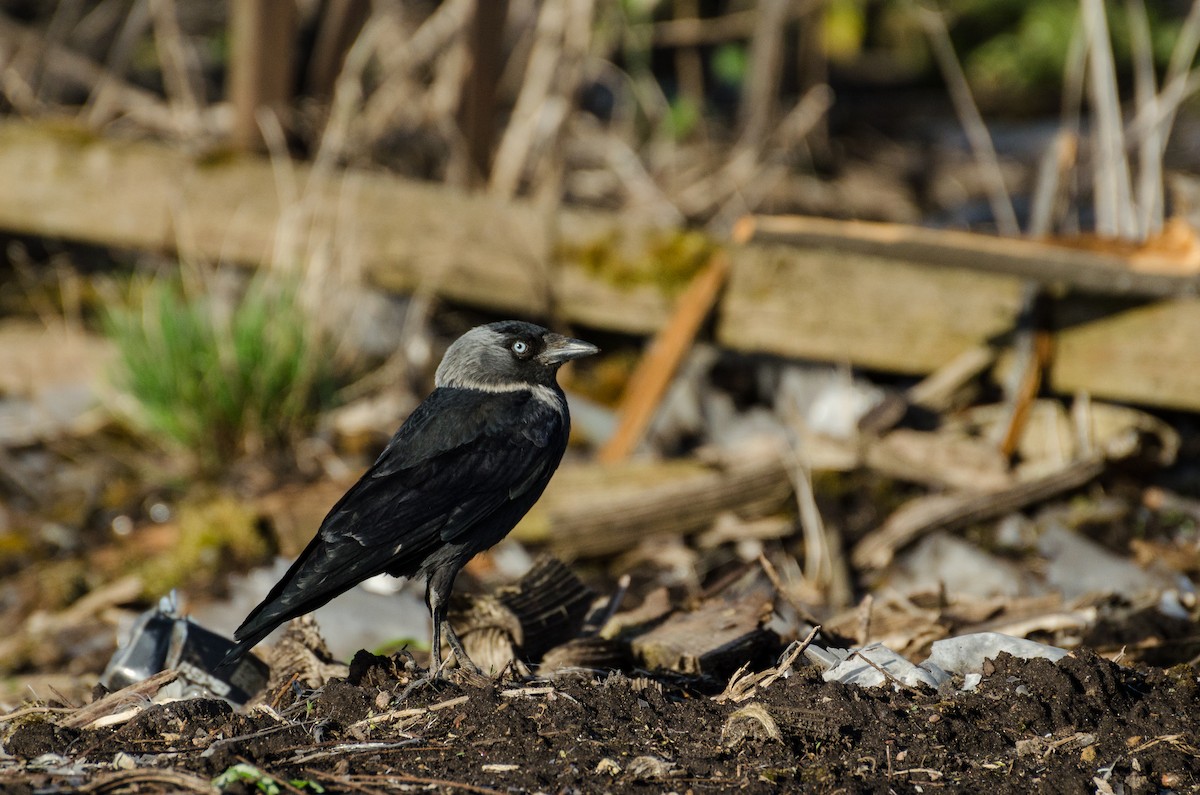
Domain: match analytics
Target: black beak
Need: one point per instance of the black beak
(561, 349)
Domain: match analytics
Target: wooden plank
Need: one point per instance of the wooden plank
(63, 181)
(1140, 354)
(1146, 272)
(596, 510)
(826, 303)
(861, 309)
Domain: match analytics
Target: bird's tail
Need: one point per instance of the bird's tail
(287, 600)
(244, 644)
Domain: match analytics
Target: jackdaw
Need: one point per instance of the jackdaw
(455, 479)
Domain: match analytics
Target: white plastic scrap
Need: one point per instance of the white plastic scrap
(964, 655)
(872, 666)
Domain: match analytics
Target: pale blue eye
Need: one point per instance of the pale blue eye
(519, 348)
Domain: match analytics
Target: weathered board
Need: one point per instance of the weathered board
(867, 303)
(861, 309)
(62, 181)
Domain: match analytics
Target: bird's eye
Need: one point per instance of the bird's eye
(520, 348)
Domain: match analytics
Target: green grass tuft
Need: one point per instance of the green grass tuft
(222, 377)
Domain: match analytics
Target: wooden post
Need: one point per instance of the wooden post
(339, 25)
(478, 111)
(262, 36)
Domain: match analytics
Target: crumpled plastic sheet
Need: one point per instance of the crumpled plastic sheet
(874, 665)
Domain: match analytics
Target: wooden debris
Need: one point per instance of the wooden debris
(954, 511)
(656, 605)
(1055, 461)
(827, 304)
(1034, 349)
(406, 235)
(938, 391)
(715, 637)
(940, 459)
(301, 655)
(1115, 431)
(591, 511)
(603, 654)
(895, 298)
(728, 528)
(888, 309)
(138, 694)
(1054, 266)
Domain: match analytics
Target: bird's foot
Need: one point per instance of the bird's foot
(470, 677)
(428, 680)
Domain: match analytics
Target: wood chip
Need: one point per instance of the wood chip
(714, 638)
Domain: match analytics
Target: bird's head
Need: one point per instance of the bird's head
(507, 355)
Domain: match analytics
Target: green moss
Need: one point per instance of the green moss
(61, 583)
(217, 158)
(69, 132)
(668, 260)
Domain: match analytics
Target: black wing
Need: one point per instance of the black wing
(452, 474)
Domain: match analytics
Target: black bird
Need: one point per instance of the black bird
(455, 479)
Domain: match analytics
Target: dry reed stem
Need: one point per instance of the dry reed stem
(1149, 192)
(971, 120)
(182, 80)
(1115, 214)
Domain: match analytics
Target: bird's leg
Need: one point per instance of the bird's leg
(435, 649)
(437, 594)
(460, 653)
(435, 646)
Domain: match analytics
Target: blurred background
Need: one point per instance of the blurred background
(896, 300)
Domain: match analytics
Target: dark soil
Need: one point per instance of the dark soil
(1084, 724)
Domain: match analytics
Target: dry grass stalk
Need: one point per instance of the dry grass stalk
(552, 77)
(747, 175)
(971, 119)
(180, 66)
(1114, 200)
(1150, 148)
(743, 685)
(766, 64)
(19, 84)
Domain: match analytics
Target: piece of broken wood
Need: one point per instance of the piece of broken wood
(590, 510)
(714, 638)
(652, 377)
(138, 693)
(954, 511)
(1054, 266)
